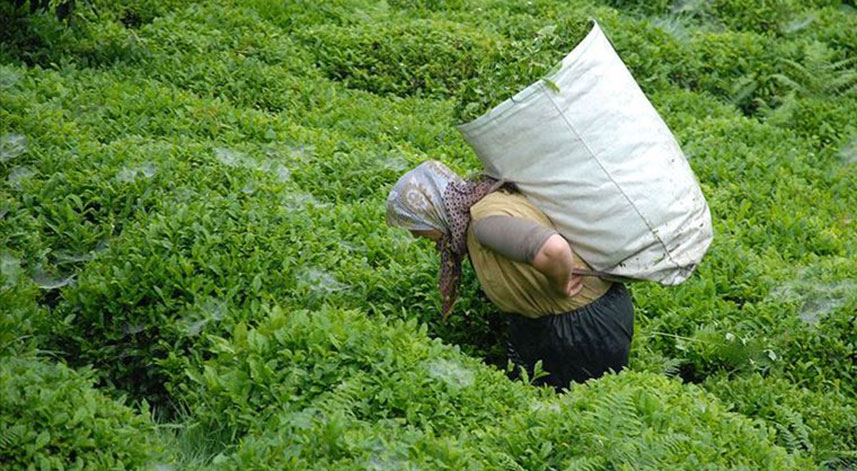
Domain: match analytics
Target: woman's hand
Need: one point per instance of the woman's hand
(554, 259)
(574, 285)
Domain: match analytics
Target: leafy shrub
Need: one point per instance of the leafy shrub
(737, 67)
(442, 59)
(639, 421)
(240, 58)
(342, 391)
(164, 282)
(421, 57)
(42, 39)
(658, 7)
(52, 418)
(62, 8)
(22, 323)
(811, 80)
(815, 118)
(830, 26)
(134, 13)
(21, 320)
(657, 58)
(131, 13)
(823, 426)
(431, 5)
(386, 371)
(830, 343)
(766, 16)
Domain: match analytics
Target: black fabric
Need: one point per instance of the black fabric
(577, 345)
(515, 238)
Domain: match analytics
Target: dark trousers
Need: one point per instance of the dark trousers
(577, 345)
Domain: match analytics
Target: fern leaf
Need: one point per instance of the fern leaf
(11, 436)
(799, 69)
(585, 463)
(842, 82)
(788, 82)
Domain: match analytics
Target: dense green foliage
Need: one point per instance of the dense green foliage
(52, 419)
(191, 212)
(362, 394)
(804, 419)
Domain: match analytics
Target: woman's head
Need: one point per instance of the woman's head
(432, 201)
(416, 201)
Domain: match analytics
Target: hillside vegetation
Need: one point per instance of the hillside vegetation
(195, 271)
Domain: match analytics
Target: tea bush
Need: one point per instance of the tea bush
(22, 322)
(830, 26)
(737, 67)
(767, 16)
(386, 371)
(127, 311)
(343, 392)
(39, 39)
(431, 5)
(822, 425)
(659, 7)
(52, 418)
(62, 9)
(428, 58)
(632, 419)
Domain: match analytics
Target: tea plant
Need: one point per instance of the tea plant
(343, 392)
(52, 418)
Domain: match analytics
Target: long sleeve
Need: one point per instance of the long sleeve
(515, 238)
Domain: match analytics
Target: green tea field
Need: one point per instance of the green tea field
(196, 272)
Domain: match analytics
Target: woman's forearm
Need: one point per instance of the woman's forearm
(555, 261)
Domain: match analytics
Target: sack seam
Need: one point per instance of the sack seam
(618, 187)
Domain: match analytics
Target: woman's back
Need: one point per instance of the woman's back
(517, 287)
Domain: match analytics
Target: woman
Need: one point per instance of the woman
(579, 327)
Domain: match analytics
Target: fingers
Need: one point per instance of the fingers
(575, 284)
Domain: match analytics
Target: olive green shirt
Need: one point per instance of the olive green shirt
(514, 286)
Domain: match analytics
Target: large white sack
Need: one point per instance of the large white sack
(597, 158)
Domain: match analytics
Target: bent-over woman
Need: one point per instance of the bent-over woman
(578, 326)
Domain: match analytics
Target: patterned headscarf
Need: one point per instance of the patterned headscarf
(432, 196)
(416, 201)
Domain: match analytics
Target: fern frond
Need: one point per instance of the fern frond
(11, 436)
(621, 413)
(585, 463)
(843, 64)
(674, 443)
(798, 69)
(842, 83)
(788, 82)
(671, 366)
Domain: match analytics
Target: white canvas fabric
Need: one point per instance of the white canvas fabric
(597, 158)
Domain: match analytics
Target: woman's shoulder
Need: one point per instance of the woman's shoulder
(501, 198)
(505, 203)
